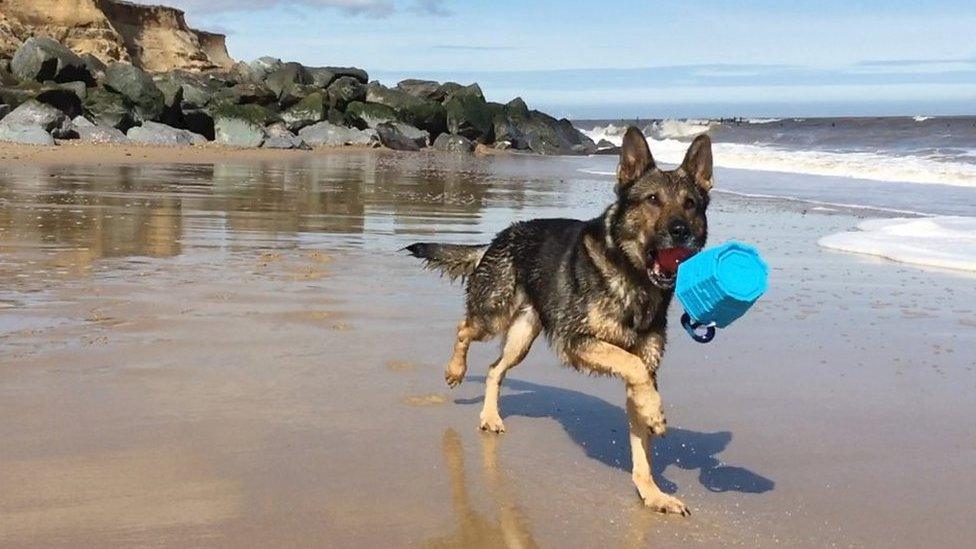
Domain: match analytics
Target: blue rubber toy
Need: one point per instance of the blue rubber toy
(718, 285)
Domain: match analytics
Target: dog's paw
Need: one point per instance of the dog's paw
(454, 374)
(453, 380)
(663, 503)
(492, 424)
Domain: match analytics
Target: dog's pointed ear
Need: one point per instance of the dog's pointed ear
(635, 158)
(698, 162)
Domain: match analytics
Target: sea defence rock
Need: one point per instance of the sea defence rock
(239, 103)
(369, 115)
(109, 108)
(308, 111)
(453, 143)
(423, 113)
(279, 137)
(238, 132)
(42, 59)
(154, 133)
(402, 137)
(26, 135)
(345, 90)
(33, 113)
(138, 87)
(327, 134)
(469, 115)
(90, 132)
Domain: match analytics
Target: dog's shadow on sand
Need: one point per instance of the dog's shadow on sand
(600, 428)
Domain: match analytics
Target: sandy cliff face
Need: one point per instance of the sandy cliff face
(78, 24)
(155, 38)
(159, 38)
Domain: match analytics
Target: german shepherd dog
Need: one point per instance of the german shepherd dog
(600, 290)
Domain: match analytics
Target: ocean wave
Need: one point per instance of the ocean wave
(946, 242)
(859, 165)
(763, 120)
(921, 118)
(678, 129)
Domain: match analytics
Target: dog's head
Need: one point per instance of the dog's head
(660, 215)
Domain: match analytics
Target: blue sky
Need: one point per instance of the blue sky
(636, 58)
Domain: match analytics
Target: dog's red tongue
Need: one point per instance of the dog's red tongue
(669, 258)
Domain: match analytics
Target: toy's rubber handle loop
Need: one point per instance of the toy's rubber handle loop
(693, 327)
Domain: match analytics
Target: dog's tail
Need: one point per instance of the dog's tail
(454, 260)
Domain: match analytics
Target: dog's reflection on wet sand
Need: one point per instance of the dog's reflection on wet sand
(511, 528)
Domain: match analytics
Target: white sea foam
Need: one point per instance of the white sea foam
(921, 118)
(945, 242)
(762, 120)
(873, 166)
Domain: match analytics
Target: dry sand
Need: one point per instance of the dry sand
(234, 354)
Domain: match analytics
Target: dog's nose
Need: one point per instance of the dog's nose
(679, 229)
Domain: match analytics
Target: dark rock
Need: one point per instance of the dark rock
(402, 137)
(259, 69)
(90, 132)
(446, 90)
(28, 135)
(423, 113)
(453, 143)
(352, 72)
(327, 134)
(369, 115)
(287, 83)
(42, 59)
(345, 90)
(200, 121)
(517, 108)
(546, 135)
(173, 103)
(65, 100)
(95, 65)
(425, 89)
(4, 111)
(238, 132)
(255, 114)
(279, 137)
(60, 96)
(109, 108)
(34, 113)
(469, 115)
(138, 87)
(306, 112)
(244, 94)
(154, 133)
(320, 77)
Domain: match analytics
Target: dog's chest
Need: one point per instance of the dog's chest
(622, 322)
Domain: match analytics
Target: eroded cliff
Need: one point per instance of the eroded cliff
(155, 38)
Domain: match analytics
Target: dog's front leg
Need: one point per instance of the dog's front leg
(640, 449)
(603, 357)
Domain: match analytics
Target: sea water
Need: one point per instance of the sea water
(915, 167)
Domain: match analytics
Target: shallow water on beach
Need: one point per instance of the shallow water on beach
(239, 355)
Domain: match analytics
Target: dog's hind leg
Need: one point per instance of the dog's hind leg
(518, 340)
(457, 367)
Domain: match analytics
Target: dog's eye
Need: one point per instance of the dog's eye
(654, 199)
(690, 204)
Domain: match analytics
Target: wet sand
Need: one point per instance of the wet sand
(231, 352)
